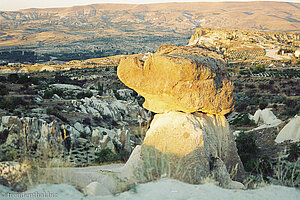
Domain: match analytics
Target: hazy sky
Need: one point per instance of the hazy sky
(20, 4)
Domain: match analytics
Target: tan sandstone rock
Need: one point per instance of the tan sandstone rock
(183, 134)
(187, 79)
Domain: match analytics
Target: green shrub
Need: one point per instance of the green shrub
(263, 105)
(242, 106)
(251, 86)
(48, 94)
(294, 152)
(3, 79)
(247, 150)
(3, 90)
(12, 103)
(64, 80)
(100, 89)
(290, 112)
(117, 95)
(259, 69)
(82, 95)
(3, 136)
(265, 86)
(244, 72)
(13, 78)
(106, 155)
(243, 121)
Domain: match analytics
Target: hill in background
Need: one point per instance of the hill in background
(109, 29)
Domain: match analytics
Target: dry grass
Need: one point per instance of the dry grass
(47, 166)
(287, 173)
(158, 165)
(42, 163)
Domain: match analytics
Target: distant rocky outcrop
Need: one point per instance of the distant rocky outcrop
(238, 44)
(187, 79)
(195, 145)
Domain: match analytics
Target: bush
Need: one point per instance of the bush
(82, 95)
(244, 72)
(263, 105)
(106, 155)
(13, 78)
(12, 103)
(243, 121)
(3, 136)
(64, 80)
(294, 152)
(290, 112)
(241, 107)
(3, 79)
(247, 150)
(118, 96)
(100, 89)
(259, 69)
(254, 101)
(251, 86)
(3, 90)
(25, 79)
(290, 103)
(265, 86)
(48, 94)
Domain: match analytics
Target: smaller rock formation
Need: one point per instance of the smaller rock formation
(266, 116)
(265, 119)
(290, 132)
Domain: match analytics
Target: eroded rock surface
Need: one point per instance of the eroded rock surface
(187, 79)
(183, 134)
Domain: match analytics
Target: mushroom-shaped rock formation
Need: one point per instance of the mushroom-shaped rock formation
(187, 79)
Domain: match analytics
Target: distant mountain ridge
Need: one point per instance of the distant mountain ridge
(143, 22)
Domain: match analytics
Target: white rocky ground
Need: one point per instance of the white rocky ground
(163, 189)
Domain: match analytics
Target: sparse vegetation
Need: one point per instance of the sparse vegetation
(285, 171)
